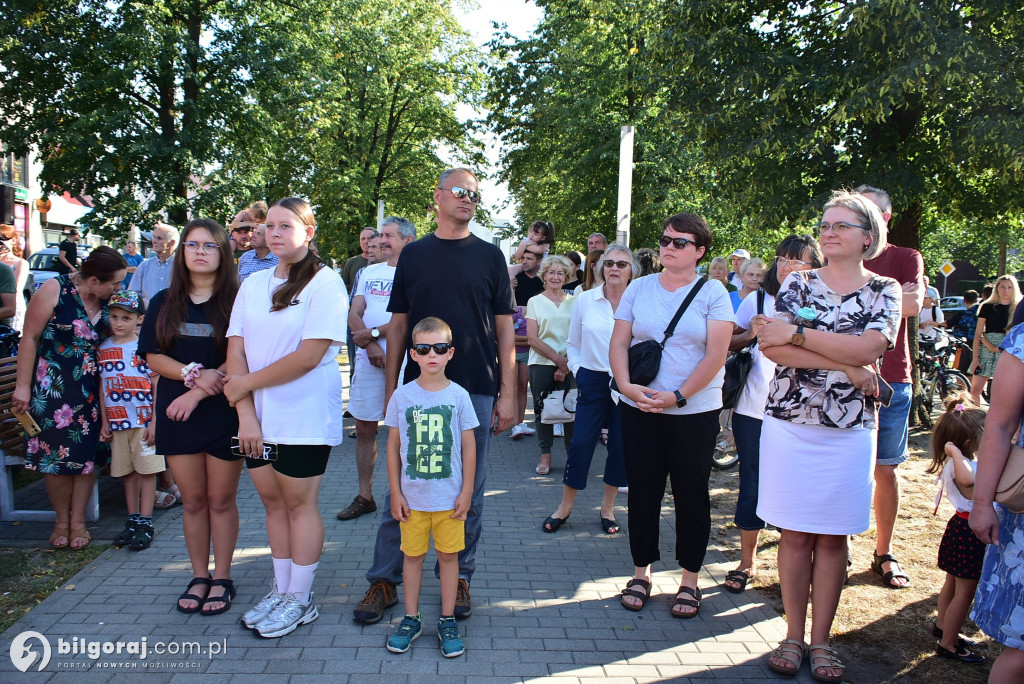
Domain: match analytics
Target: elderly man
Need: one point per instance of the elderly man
(133, 259)
(737, 258)
(257, 258)
(906, 266)
(596, 241)
(154, 274)
(368, 319)
(464, 281)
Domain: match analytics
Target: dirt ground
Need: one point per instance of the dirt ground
(882, 635)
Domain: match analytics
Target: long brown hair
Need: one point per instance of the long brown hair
(305, 268)
(218, 307)
(590, 275)
(962, 424)
(9, 232)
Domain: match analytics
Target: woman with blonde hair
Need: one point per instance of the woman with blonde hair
(718, 270)
(994, 319)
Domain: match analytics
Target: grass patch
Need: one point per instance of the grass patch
(30, 575)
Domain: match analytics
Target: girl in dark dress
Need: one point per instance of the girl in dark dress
(58, 384)
(185, 343)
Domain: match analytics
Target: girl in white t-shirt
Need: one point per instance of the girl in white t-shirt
(286, 328)
(955, 440)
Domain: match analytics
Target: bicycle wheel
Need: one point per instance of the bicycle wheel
(928, 383)
(725, 459)
(953, 382)
(986, 391)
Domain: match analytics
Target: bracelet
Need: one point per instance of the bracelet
(189, 374)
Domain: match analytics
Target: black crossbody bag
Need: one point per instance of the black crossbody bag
(737, 368)
(645, 357)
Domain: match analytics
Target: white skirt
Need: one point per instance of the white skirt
(816, 479)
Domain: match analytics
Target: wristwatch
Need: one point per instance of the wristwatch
(375, 333)
(680, 399)
(798, 336)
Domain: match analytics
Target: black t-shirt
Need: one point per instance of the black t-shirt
(1018, 315)
(465, 283)
(527, 287)
(214, 422)
(996, 317)
(70, 251)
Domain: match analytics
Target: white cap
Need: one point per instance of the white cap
(932, 292)
(741, 253)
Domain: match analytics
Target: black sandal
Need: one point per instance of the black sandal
(609, 526)
(692, 603)
(188, 596)
(642, 597)
(225, 598)
(551, 524)
(889, 576)
(739, 577)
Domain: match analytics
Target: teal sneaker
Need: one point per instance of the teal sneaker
(451, 642)
(408, 631)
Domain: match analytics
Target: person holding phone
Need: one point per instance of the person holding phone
(287, 326)
(831, 326)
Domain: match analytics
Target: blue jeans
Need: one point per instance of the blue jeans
(893, 426)
(747, 433)
(387, 553)
(594, 410)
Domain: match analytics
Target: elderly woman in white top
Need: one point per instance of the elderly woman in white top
(547, 328)
(590, 334)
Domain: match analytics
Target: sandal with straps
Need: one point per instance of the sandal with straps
(790, 655)
(889, 575)
(691, 603)
(226, 598)
(640, 596)
(829, 659)
(188, 596)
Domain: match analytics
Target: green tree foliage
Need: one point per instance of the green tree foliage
(185, 106)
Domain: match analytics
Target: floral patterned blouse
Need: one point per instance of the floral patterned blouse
(827, 397)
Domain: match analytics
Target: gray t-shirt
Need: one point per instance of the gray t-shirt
(650, 308)
(430, 426)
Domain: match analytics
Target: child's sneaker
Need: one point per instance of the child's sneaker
(142, 538)
(448, 634)
(408, 631)
(125, 538)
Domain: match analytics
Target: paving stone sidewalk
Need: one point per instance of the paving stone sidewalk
(545, 606)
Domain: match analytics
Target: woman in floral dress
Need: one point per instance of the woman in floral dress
(999, 601)
(58, 385)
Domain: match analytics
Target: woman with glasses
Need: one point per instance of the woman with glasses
(590, 332)
(184, 342)
(547, 328)
(795, 253)
(286, 328)
(818, 437)
(669, 425)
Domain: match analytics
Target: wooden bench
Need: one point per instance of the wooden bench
(12, 447)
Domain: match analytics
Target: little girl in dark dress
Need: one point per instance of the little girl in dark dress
(954, 443)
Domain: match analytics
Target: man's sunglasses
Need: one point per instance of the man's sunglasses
(473, 195)
(424, 349)
(678, 243)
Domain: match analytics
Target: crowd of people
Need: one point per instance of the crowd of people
(235, 364)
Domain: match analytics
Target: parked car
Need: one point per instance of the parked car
(951, 304)
(42, 264)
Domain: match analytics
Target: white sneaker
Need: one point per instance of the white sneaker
(623, 490)
(559, 430)
(527, 430)
(518, 431)
(288, 614)
(262, 609)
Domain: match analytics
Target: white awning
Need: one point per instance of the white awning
(65, 212)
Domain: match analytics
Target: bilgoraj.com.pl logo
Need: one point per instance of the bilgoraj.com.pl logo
(23, 655)
(25, 651)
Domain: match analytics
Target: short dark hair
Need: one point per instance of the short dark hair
(692, 224)
(971, 296)
(793, 247)
(102, 263)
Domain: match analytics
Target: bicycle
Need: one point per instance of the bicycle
(937, 374)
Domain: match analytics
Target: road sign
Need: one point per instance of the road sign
(947, 269)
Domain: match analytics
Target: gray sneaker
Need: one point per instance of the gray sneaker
(262, 609)
(288, 614)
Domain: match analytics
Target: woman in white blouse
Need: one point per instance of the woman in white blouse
(590, 334)
(547, 328)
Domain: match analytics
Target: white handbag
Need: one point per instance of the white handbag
(558, 405)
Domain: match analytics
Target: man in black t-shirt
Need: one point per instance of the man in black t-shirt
(67, 256)
(463, 280)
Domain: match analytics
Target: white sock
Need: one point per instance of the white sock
(302, 581)
(282, 573)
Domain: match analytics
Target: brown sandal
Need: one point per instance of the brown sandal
(691, 603)
(640, 596)
(790, 655)
(59, 532)
(80, 533)
(830, 659)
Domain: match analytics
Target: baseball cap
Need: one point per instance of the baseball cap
(741, 253)
(129, 300)
(932, 292)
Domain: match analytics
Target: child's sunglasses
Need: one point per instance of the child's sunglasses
(424, 349)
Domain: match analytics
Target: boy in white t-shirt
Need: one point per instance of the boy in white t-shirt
(126, 402)
(431, 469)
(931, 318)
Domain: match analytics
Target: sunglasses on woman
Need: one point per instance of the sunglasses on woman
(424, 349)
(678, 243)
(617, 264)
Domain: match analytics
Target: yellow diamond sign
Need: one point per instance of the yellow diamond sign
(947, 269)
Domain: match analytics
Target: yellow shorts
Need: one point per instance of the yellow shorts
(449, 534)
(127, 457)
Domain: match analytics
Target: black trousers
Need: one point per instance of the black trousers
(657, 445)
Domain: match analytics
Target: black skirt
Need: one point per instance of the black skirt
(961, 553)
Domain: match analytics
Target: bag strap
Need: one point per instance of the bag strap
(682, 309)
